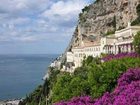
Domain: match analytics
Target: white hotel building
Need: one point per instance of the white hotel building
(119, 42)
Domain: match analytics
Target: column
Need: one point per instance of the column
(116, 49)
(108, 49)
(125, 48)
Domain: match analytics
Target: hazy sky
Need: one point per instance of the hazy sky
(37, 26)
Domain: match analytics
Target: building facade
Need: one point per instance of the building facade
(120, 42)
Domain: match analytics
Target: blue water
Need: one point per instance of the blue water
(21, 74)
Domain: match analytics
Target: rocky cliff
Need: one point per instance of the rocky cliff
(105, 16)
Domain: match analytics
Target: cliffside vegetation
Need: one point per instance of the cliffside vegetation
(137, 21)
(93, 79)
(136, 42)
(126, 92)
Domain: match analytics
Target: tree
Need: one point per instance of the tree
(60, 90)
(136, 42)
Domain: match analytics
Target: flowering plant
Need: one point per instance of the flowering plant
(127, 92)
(120, 55)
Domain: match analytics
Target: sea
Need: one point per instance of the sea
(21, 74)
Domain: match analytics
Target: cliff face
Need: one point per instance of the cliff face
(105, 16)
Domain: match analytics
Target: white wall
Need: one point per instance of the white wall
(70, 57)
(80, 53)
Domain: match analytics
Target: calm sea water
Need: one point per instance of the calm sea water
(21, 74)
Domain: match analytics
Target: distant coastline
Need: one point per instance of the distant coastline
(10, 102)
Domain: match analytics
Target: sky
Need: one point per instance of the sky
(38, 26)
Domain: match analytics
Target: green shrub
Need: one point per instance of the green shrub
(110, 32)
(82, 18)
(92, 78)
(60, 89)
(137, 20)
(86, 9)
(136, 42)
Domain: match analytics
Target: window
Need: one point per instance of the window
(103, 42)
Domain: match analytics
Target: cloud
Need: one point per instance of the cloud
(36, 20)
(23, 7)
(64, 13)
(66, 9)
